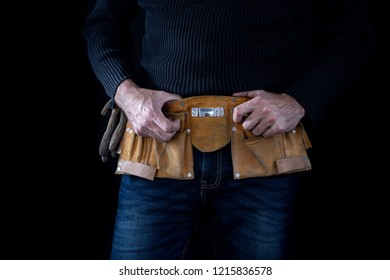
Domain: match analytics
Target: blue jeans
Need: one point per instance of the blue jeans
(252, 217)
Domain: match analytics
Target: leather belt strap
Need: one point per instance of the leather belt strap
(207, 101)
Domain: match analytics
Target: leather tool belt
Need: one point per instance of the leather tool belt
(206, 123)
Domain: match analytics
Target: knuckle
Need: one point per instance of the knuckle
(277, 128)
(139, 131)
(237, 111)
(272, 121)
(266, 109)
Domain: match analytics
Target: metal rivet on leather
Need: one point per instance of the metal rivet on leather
(294, 131)
(234, 128)
(237, 175)
(188, 130)
(189, 175)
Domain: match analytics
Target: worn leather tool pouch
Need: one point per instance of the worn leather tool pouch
(259, 156)
(145, 157)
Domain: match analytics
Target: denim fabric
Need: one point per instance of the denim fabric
(251, 217)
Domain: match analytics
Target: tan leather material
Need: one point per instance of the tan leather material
(135, 168)
(292, 164)
(171, 159)
(208, 134)
(259, 156)
(252, 156)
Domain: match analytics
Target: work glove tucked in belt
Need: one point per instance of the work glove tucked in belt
(113, 134)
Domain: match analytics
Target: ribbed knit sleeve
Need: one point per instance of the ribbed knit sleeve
(219, 47)
(108, 36)
(344, 46)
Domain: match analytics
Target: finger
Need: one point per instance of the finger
(163, 137)
(264, 125)
(157, 133)
(275, 129)
(168, 97)
(250, 122)
(241, 94)
(242, 111)
(260, 129)
(165, 124)
(269, 132)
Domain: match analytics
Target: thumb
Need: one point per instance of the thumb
(166, 124)
(241, 94)
(169, 97)
(249, 93)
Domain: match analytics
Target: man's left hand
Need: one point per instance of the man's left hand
(268, 113)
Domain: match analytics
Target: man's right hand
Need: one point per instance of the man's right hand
(143, 110)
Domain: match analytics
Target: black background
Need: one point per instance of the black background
(58, 199)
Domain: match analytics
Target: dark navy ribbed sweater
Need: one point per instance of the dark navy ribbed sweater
(311, 51)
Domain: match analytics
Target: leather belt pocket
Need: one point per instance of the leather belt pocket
(209, 133)
(255, 156)
(145, 157)
(210, 119)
